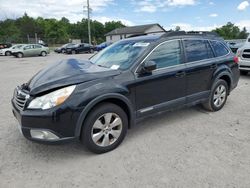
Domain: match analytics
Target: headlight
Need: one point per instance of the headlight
(52, 99)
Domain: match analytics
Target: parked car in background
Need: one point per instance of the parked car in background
(101, 46)
(5, 45)
(243, 54)
(8, 51)
(30, 50)
(80, 48)
(63, 48)
(97, 100)
(235, 46)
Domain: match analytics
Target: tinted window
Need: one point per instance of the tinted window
(219, 48)
(167, 54)
(197, 50)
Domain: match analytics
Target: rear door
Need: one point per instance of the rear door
(37, 49)
(165, 87)
(201, 65)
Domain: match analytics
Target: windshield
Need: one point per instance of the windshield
(17, 46)
(120, 55)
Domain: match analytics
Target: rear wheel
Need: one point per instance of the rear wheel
(8, 53)
(43, 53)
(218, 96)
(243, 72)
(19, 55)
(105, 128)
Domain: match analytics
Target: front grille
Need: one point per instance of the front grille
(20, 98)
(246, 54)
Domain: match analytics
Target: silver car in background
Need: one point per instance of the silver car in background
(31, 50)
(8, 51)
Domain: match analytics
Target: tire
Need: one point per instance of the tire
(216, 103)
(19, 55)
(95, 124)
(8, 53)
(91, 51)
(243, 72)
(43, 53)
(63, 51)
(73, 52)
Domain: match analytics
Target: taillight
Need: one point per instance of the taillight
(236, 59)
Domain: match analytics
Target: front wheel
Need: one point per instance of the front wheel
(19, 55)
(105, 128)
(218, 96)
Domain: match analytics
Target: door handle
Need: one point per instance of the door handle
(213, 66)
(180, 74)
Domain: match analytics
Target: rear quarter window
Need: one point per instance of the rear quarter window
(219, 48)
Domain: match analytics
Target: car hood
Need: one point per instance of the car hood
(67, 72)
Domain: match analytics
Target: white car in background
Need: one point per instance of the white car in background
(243, 54)
(8, 51)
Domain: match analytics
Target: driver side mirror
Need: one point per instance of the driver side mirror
(148, 67)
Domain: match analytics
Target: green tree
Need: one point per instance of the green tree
(109, 26)
(231, 31)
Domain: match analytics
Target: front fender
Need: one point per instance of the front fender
(99, 99)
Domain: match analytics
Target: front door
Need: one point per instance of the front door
(165, 87)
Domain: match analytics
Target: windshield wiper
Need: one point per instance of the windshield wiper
(103, 66)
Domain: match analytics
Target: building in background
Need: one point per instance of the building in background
(126, 32)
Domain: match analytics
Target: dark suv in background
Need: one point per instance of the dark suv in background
(80, 48)
(96, 101)
(63, 48)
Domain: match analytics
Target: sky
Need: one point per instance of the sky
(197, 15)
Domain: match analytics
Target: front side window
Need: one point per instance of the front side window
(219, 48)
(197, 50)
(167, 54)
(28, 47)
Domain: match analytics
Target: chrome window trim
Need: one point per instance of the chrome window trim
(189, 63)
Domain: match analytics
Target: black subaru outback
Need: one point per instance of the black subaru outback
(97, 100)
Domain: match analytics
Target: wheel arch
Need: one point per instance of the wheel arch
(118, 99)
(225, 74)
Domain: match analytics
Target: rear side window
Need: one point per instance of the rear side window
(197, 50)
(219, 48)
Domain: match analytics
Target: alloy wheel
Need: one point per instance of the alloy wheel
(219, 95)
(106, 129)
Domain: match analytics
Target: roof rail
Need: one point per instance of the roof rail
(190, 33)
